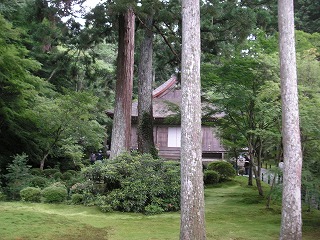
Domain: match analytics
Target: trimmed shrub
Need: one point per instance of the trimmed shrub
(31, 194)
(77, 198)
(38, 182)
(211, 177)
(57, 175)
(54, 194)
(36, 171)
(225, 169)
(49, 172)
(66, 176)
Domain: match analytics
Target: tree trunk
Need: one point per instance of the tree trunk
(145, 112)
(121, 131)
(43, 160)
(291, 222)
(192, 194)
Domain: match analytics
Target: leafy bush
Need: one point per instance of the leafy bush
(225, 169)
(77, 198)
(73, 172)
(49, 172)
(103, 205)
(54, 194)
(211, 177)
(89, 199)
(57, 175)
(81, 187)
(133, 182)
(2, 196)
(38, 182)
(66, 176)
(31, 194)
(36, 171)
(153, 209)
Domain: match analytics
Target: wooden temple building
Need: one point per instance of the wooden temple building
(167, 134)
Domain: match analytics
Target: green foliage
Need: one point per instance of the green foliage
(18, 175)
(67, 126)
(81, 187)
(49, 172)
(153, 209)
(57, 175)
(77, 198)
(38, 182)
(3, 197)
(225, 169)
(103, 204)
(307, 16)
(132, 182)
(31, 194)
(66, 176)
(211, 177)
(36, 171)
(54, 194)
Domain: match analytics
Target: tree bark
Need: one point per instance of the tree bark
(192, 225)
(43, 160)
(291, 222)
(121, 131)
(145, 112)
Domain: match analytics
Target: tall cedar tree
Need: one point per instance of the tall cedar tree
(145, 112)
(291, 222)
(121, 131)
(192, 194)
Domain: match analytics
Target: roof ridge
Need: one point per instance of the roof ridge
(165, 86)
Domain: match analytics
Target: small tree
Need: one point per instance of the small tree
(18, 175)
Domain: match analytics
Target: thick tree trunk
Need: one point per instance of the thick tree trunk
(192, 194)
(291, 222)
(145, 112)
(121, 131)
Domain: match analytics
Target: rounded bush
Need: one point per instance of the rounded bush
(49, 172)
(73, 172)
(225, 169)
(211, 177)
(54, 194)
(39, 182)
(77, 198)
(57, 175)
(66, 176)
(30, 194)
(36, 171)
